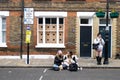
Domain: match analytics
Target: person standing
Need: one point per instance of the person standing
(99, 40)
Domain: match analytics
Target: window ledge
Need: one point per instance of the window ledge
(3, 45)
(50, 46)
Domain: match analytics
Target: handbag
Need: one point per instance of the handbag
(95, 46)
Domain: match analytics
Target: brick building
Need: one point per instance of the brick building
(58, 24)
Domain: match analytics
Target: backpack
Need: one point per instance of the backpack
(73, 67)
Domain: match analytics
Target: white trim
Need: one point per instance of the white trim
(3, 45)
(0, 29)
(4, 13)
(89, 16)
(43, 30)
(50, 46)
(57, 30)
(50, 13)
(85, 14)
(30, 56)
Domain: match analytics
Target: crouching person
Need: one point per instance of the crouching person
(58, 60)
(70, 61)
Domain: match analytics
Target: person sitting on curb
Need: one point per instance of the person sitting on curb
(70, 59)
(58, 60)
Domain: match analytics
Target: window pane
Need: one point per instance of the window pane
(49, 33)
(103, 21)
(61, 20)
(3, 30)
(54, 20)
(40, 20)
(3, 36)
(47, 20)
(3, 23)
(84, 21)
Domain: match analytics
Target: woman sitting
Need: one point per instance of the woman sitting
(70, 59)
(58, 60)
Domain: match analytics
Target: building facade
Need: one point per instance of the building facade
(57, 24)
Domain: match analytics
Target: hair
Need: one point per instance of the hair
(98, 34)
(59, 51)
(70, 54)
(59, 54)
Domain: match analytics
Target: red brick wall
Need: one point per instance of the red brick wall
(72, 14)
(66, 30)
(35, 32)
(26, 1)
(21, 0)
(92, 0)
(12, 14)
(8, 31)
(16, 0)
(70, 25)
(58, 0)
(15, 13)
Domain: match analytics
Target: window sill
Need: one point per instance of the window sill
(3, 45)
(50, 46)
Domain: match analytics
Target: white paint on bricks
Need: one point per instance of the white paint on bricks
(31, 57)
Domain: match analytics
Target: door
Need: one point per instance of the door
(85, 41)
(102, 31)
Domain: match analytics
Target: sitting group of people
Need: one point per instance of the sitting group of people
(68, 61)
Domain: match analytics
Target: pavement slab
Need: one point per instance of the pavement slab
(83, 62)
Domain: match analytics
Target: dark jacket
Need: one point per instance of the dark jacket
(58, 61)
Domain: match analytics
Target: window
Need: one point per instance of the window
(50, 32)
(103, 21)
(84, 21)
(3, 32)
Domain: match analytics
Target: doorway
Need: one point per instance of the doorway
(85, 41)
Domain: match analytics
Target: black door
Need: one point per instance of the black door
(102, 31)
(85, 41)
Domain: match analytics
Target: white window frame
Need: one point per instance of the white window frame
(86, 15)
(3, 14)
(50, 15)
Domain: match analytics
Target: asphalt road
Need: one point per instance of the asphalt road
(48, 74)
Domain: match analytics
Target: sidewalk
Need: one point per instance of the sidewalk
(37, 63)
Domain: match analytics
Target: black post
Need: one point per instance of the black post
(27, 53)
(21, 42)
(106, 34)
